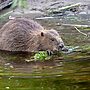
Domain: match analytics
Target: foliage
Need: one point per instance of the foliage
(19, 3)
(41, 55)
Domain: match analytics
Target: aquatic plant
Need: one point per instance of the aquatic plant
(41, 56)
(76, 50)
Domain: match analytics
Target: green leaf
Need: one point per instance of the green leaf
(41, 55)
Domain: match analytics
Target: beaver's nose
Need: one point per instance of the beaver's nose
(62, 47)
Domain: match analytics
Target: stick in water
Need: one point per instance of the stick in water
(80, 31)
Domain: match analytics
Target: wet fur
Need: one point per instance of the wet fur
(27, 35)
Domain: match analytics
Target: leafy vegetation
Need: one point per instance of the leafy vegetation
(19, 3)
(41, 55)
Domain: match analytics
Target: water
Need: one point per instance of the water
(50, 75)
(65, 72)
(61, 72)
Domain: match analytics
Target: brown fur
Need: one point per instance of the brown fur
(27, 35)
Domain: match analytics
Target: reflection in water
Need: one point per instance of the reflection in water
(62, 72)
(56, 74)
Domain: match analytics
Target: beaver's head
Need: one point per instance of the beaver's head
(51, 40)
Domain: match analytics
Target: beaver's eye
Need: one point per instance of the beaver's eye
(52, 39)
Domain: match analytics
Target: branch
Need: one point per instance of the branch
(80, 31)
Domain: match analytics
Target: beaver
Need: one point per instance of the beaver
(21, 34)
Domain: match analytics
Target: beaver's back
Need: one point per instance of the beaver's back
(18, 34)
(21, 23)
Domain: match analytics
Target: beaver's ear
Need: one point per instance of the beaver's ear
(42, 34)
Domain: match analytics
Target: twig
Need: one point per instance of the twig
(80, 31)
(65, 8)
(85, 26)
(8, 13)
